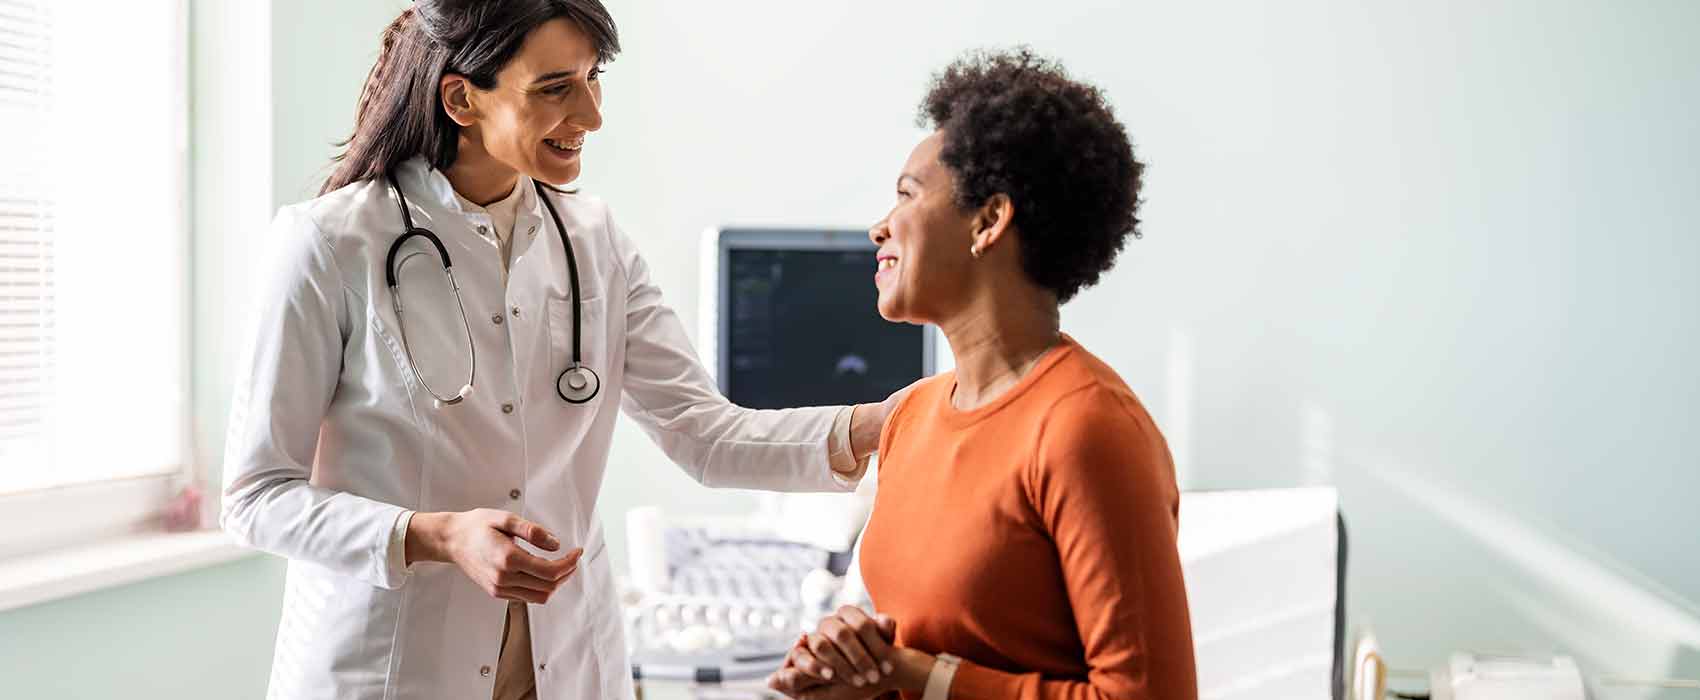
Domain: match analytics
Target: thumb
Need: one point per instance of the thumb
(887, 626)
(530, 532)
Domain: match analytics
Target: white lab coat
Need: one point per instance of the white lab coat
(332, 436)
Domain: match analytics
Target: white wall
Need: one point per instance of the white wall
(1434, 253)
(1440, 254)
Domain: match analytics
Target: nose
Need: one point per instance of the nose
(587, 113)
(880, 232)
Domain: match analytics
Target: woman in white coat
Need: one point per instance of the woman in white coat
(439, 515)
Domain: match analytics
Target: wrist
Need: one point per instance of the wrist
(913, 667)
(426, 539)
(866, 421)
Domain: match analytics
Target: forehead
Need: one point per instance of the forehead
(924, 158)
(556, 45)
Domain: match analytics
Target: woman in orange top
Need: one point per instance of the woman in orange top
(1022, 543)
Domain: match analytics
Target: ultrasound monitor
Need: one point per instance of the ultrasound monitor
(791, 320)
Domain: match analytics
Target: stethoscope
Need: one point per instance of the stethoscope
(577, 384)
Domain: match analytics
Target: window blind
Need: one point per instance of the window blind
(26, 233)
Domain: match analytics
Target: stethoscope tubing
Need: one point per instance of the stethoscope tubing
(577, 384)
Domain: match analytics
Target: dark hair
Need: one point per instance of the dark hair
(1015, 123)
(400, 114)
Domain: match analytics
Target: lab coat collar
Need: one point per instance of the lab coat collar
(418, 176)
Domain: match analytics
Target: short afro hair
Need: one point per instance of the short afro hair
(1015, 123)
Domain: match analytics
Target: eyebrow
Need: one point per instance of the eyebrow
(550, 77)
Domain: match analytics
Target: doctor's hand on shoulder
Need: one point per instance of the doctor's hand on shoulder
(484, 544)
(867, 420)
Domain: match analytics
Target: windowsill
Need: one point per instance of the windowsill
(39, 578)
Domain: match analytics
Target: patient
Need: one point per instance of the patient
(1026, 514)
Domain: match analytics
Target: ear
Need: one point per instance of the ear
(458, 101)
(993, 221)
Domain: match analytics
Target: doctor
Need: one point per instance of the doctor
(422, 422)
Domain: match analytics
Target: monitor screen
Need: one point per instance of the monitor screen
(800, 327)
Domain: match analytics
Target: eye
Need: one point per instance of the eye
(902, 193)
(595, 74)
(558, 89)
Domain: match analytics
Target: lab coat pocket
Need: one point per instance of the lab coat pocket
(382, 370)
(591, 339)
(383, 347)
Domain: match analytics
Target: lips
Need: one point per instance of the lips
(883, 265)
(565, 146)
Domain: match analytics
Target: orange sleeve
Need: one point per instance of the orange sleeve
(1102, 484)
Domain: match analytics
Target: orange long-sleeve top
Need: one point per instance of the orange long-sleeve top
(1034, 537)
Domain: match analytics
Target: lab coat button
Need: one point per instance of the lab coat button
(531, 231)
(483, 230)
(484, 671)
(543, 667)
(507, 408)
(496, 319)
(516, 312)
(514, 494)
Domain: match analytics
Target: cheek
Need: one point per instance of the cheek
(518, 125)
(938, 256)
(501, 132)
(917, 261)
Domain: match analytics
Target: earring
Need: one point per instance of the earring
(974, 250)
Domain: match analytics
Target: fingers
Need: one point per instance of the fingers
(783, 681)
(519, 560)
(888, 627)
(791, 681)
(793, 677)
(520, 579)
(832, 657)
(487, 552)
(867, 630)
(813, 668)
(849, 644)
(515, 569)
(522, 586)
(529, 531)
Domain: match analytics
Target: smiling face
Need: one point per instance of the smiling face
(923, 262)
(545, 101)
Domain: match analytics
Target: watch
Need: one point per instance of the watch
(938, 679)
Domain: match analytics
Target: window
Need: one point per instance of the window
(93, 265)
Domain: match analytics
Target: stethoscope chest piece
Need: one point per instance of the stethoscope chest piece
(578, 384)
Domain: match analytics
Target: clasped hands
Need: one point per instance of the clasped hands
(851, 655)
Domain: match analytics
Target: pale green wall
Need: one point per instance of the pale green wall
(205, 634)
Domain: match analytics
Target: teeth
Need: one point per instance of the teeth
(563, 146)
(887, 263)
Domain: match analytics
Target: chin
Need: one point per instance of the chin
(560, 176)
(549, 170)
(891, 310)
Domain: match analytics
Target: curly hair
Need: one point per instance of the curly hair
(1015, 123)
